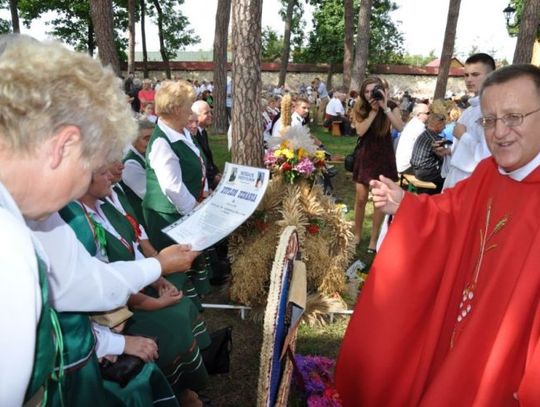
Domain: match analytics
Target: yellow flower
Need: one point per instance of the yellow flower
(284, 145)
(302, 153)
(320, 155)
(287, 153)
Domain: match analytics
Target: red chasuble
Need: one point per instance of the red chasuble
(450, 313)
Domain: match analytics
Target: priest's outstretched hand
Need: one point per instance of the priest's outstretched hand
(387, 195)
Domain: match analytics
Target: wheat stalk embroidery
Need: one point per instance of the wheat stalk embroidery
(486, 245)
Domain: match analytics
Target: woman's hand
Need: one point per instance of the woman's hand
(145, 348)
(176, 258)
(168, 298)
(387, 195)
(383, 103)
(162, 285)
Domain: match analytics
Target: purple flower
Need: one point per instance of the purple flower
(305, 166)
(269, 158)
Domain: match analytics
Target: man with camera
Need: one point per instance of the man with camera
(429, 151)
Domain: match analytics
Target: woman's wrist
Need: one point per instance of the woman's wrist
(387, 110)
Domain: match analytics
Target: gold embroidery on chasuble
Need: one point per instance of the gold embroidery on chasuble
(469, 292)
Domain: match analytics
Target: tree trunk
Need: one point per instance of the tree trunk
(131, 36)
(348, 43)
(527, 32)
(362, 45)
(447, 49)
(102, 18)
(14, 15)
(221, 36)
(329, 76)
(90, 38)
(162, 49)
(286, 43)
(247, 138)
(143, 39)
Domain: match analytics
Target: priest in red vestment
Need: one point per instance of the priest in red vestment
(450, 314)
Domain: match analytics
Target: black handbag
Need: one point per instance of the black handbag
(349, 158)
(123, 370)
(216, 357)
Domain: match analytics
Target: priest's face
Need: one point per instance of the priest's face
(515, 145)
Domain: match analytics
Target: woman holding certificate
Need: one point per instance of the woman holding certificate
(175, 177)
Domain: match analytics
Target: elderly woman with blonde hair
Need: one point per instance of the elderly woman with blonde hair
(175, 177)
(62, 116)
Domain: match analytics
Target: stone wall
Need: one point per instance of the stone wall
(421, 86)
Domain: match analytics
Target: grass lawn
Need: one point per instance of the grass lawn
(239, 387)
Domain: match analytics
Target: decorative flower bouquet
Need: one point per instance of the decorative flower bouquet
(316, 381)
(293, 199)
(295, 155)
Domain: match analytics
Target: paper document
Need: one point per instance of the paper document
(231, 204)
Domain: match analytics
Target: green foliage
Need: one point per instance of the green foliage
(513, 31)
(298, 24)
(271, 46)
(72, 23)
(5, 26)
(385, 44)
(325, 43)
(418, 60)
(176, 31)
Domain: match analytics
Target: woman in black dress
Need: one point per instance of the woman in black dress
(373, 115)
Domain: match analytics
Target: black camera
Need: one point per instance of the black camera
(378, 92)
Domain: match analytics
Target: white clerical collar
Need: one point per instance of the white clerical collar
(521, 173)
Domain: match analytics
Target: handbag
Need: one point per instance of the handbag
(350, 158)
(123, 370)
(216, 357)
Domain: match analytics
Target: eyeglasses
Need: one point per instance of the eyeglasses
(426, 113)
(509, 119)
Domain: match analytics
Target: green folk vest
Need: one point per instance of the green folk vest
(133, 198)
(116, 250)
(192, 174)
(45, 354)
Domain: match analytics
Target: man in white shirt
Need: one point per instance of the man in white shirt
(408, 136)
(50, 136)
(469, 142)
(335, 111)
(300, 114)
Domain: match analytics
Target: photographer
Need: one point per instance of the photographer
(429, 151)
(372, 116)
